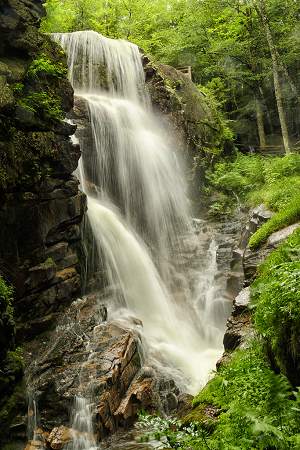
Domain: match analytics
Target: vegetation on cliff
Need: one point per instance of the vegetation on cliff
(275, 300)
(252, 180)
(254, 409)
(254, 398)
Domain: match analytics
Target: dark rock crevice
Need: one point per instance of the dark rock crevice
(41, 208)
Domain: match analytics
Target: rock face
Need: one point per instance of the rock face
(40, 206)
(188, 119)
(239, 271)
(99, 363)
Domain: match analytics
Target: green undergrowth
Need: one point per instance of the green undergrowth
(287, 216)
(253, 180)
(260, 410)
(6, 297)
(275, 301)
(39, 102)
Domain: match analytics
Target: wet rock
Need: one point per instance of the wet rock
(237, 259)
(241, 302)
(7, 100)
(238, 326)
(88, 356)
(139, 396)
(58, 437)
(40, 204)
(234, 282)
(239, 323)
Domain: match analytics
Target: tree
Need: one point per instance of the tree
(265, 21)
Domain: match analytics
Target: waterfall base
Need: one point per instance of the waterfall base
(97, 356)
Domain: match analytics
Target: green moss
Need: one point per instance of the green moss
(136, 360)
(198, 415)
(284, 218)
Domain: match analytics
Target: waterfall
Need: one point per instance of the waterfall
(139, 212)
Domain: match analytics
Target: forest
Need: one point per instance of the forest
(244, 54)
(244, 59)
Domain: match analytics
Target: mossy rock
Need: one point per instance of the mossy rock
(202, 415)
(136, 360)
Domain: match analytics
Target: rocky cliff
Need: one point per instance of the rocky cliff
(244, 264)
(193, 128)
(40, 206)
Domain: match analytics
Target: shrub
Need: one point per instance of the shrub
(45, 65)
(258, 410)
(6, 296)
(275, 299)
(40, 102)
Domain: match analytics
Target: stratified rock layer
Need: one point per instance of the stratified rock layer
(40, 206)
(100, 361)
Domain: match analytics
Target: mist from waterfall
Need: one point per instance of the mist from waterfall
(139, 212)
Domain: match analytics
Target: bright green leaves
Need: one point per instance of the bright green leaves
(6, 297)
(275, 294)
(45, 65)
(276, 302)
(40, 103)
(260, 411)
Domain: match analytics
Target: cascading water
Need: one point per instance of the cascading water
(139, 212)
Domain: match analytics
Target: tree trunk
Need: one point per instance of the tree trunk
(260, 123)
(285, 135)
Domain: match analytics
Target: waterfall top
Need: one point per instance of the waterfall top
(98, 64)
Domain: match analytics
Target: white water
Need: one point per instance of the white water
(141, 211)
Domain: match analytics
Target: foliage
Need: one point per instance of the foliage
(45, 65)
(288, 216)
(255, 179)
(17, 87)
(259, 409)
(6, 296)
(172, 432)
(222, 41)
(40, 102)
(275, 297)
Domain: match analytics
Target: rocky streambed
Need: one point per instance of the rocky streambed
(100, 356)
